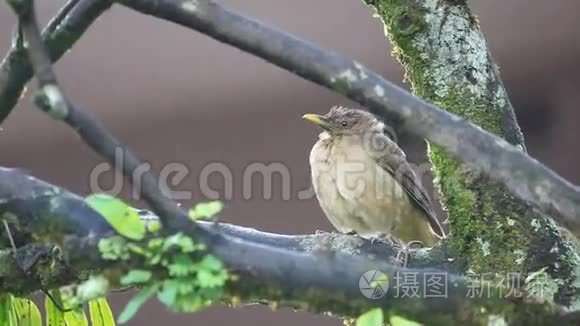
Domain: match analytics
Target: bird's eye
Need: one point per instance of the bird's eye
(343, 123)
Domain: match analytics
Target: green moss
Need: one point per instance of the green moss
(445, 60)
(484, 114)
(475, 218)
(392, 14)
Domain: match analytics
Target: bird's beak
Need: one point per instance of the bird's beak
(318, 120)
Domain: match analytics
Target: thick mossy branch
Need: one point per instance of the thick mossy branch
(52, 215)
(37, 211)
(447, 62)
(318, 273)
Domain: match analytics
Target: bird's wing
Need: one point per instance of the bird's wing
(393, 160)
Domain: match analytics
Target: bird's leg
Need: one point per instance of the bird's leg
(403, 254)
(376, 240)
(381, 237)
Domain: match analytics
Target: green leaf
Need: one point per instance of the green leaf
(96, 286)
(184, 286)
(136, 302)
(153, 226)
(189, 304)
(121, 217)
(168, 293)
(7, 314)
(57, 317)
(114, 248)
(136, 276)
(211, 262)
(206, 210)
(217, 279)
(211, 272)
(4, 308)
(54, 317)
(100, 313)
(373, 317)
(27, 313)
(180, 266)
(76, 317)
(400, 321)
(181, 241)
(155, 244)
(186, 244)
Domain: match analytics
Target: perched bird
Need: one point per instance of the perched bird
(364, 183)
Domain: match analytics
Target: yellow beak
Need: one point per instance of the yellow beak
(318, 120)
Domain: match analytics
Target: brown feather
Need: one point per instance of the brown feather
(394, 161)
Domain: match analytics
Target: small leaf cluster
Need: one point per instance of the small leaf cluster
(176, 268)
(184, 277)
(114, 248)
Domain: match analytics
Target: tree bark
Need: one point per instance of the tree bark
(446, 61)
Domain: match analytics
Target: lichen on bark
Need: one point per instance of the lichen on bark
(446, 61)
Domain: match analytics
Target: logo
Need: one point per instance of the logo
(373, 284)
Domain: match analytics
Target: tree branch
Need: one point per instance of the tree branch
(61, 33)
(526, 177)
(52, 100)
(41, 212)
(243, 257)
(318, 273)
(424, 35)
(322, 279)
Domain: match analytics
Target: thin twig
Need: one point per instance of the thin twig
(60, 16)
(67, 26)
(524, 176)
(12, 243)
(52, 100)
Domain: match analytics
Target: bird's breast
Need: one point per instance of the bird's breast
(355, 193)
(354, 173)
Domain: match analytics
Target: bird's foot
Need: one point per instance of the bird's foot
(416, 243)
(351, 232)
(377, 240)
(403, 254)
(402, 257)
(319, 232)
(380, 238)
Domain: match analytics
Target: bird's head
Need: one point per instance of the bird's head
(345, 121)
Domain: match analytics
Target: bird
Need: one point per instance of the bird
(364, 183)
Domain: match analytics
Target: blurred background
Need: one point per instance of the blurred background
(175, 96)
